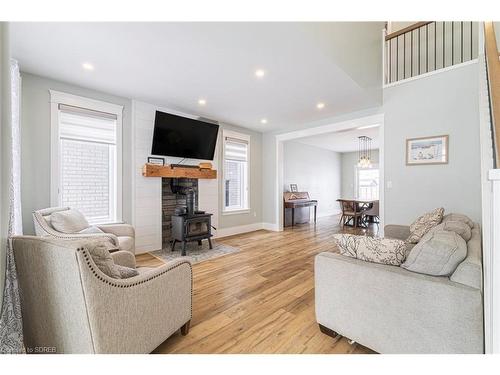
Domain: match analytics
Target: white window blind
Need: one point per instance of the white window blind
(235, 188)
(88, 162)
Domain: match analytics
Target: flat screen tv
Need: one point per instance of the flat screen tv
(183, 137)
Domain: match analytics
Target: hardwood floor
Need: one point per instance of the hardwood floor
(261, 299)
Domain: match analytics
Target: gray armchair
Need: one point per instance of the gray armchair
(121, 235)
(70, 306)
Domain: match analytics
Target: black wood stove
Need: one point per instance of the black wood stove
(191, 227)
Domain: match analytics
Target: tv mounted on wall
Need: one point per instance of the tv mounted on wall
(183, 137)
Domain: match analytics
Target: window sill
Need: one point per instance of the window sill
(236, 212)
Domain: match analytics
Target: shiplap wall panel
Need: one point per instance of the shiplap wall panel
(147, 190)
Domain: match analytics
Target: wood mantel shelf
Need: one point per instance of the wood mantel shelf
(153, 170)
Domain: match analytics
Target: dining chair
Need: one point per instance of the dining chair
(350, 212)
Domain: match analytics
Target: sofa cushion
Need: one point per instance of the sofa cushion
(459, 227)
(424, 223)
(437, 254)
(372, 249)
(69, 221)
(126, 243)
(458, 217)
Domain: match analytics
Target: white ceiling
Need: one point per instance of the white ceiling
(175, 64)
(342, 141)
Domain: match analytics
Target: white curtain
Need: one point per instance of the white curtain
(11, 329)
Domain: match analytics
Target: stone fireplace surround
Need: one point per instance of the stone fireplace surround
(171, 200)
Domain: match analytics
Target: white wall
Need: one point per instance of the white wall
(349, 162)
(270, 156)
(4, 169)
(315, 170)
(35, 143)
(147, 191)
(443, 103)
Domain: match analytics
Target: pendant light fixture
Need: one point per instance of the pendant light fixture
(364, 152)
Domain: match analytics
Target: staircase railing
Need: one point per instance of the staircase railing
(428, 46)
(493, 75)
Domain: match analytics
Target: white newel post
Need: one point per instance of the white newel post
(494, 177)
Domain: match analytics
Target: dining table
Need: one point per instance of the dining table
(360, 206)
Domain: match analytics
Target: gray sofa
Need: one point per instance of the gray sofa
(70, 306)
(392, 310)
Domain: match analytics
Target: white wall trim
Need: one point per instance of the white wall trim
(425, 75)
(492, 288)
(247, 138)
(323, 129)
(270, 226)
(58, 97)
(231, 231)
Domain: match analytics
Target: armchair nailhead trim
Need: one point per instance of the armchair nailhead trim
(99, 277)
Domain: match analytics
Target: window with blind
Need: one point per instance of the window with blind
(235, 170)
(88, 162)
(367, 183)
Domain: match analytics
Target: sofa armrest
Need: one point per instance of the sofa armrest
(399, 232)
(392, 310)
(124, 258)
(118, 230)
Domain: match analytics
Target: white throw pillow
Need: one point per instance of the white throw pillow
(424, 223)
(372, 249)
(438, 254)
(69, 221)
(91, 230)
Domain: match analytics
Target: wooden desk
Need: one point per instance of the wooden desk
(297, 200)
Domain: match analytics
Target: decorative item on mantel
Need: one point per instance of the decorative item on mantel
(364, 152)
(156, 161)
(201, 171)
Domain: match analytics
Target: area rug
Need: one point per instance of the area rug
(196, 253)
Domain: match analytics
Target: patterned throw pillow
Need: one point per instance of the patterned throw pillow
(372, 249)
(424, 224)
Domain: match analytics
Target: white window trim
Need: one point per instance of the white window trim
(356, 179)
(56, 98)
(244, 137)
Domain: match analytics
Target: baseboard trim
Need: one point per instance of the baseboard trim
(231, 231)
(270, 226)
(332, 213)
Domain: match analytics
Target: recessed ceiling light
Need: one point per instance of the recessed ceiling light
(263, 121)
(259, 73)
(202, 102)
(88, 66)
(368, 127)
(320, 105)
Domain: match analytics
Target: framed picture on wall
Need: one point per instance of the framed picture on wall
(427, 150)
(294, 188)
